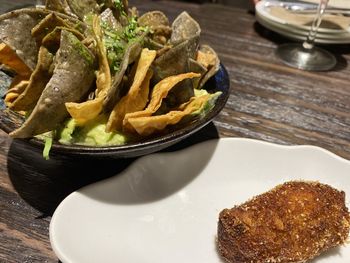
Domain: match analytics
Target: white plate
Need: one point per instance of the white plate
(333, 3)
(297, 32)
(293, 34)
(164, 207)
(263, 8)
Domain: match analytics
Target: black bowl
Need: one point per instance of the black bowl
(10, 121)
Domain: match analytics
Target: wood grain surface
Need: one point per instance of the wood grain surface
(268, 101)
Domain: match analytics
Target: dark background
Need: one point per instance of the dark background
(239, 3)
(5, 4)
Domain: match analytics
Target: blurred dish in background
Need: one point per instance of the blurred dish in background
(332, 3)
(279, 17)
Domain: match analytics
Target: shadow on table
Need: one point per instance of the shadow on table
(338, 50)
(153, 178)
(45, 183)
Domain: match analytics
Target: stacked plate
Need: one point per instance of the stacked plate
(294, 22)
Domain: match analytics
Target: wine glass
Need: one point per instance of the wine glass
(306, 56)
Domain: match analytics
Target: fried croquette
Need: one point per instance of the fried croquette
(294, 222)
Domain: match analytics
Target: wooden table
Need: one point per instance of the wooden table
(268, 101)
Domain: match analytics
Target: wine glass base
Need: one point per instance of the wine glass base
(315, 59)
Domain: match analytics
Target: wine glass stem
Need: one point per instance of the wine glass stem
(310, 40)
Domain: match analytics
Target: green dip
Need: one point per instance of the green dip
(92, 134)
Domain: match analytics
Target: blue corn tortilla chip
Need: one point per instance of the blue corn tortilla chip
(15, 31)
(72, 79)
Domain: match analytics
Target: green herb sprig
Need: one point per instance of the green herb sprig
(117, 41)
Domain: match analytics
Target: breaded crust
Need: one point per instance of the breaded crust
(294, 222)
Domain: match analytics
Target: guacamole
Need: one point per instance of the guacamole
(92, 134)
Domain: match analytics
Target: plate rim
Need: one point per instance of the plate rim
(296, 36)
(297, 31)
(261, 9)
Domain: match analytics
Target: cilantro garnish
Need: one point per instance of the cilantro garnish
(117, 41)
(120, 7)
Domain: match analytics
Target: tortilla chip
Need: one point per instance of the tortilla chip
(158, 23)
(59, 6)
(15, 31)
(148, 125)
(71, 81)
(86, 111)
(37, 82)
(52, 40)
(15, 81)
(10, 58)
(153, 19)
(16, 27)
(209, 59)
(83, 8)
(185, 40)
(160, 91)
(11, 97)
(17, 87)
(48, 24)
(144, 93)
(184, 27)
(114, 95)
(109, 19)
(104, 78)
(151, 44)
(133, 101)
(43, 71)
(206, 59)
(196, 67)
(176, 61)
